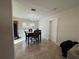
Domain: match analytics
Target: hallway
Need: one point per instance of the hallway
(45, 50)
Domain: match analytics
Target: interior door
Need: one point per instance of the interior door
(53, 30)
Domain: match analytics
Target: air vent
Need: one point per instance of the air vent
(54, 9)
(32, 9)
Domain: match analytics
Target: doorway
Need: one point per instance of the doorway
(53, 30)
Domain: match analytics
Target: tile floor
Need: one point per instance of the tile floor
(44, 50)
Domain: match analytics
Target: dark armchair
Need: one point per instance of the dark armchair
(66, 45)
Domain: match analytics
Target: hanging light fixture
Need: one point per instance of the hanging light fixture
(33, 14)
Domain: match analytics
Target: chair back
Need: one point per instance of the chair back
(37, 33)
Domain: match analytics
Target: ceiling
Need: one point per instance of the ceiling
(44, 8)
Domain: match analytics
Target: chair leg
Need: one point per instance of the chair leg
(28, 40)
(31, 39)
(37, 40)
(40, 38)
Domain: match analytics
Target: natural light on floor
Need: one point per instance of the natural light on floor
(17, 41)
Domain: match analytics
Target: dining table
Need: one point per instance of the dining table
(32, 36)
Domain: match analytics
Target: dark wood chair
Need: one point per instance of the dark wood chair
(37, 35)
(28, 37)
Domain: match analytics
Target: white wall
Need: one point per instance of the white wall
(6, 37)
(44, 26)
(68, 25)
(18, 9)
